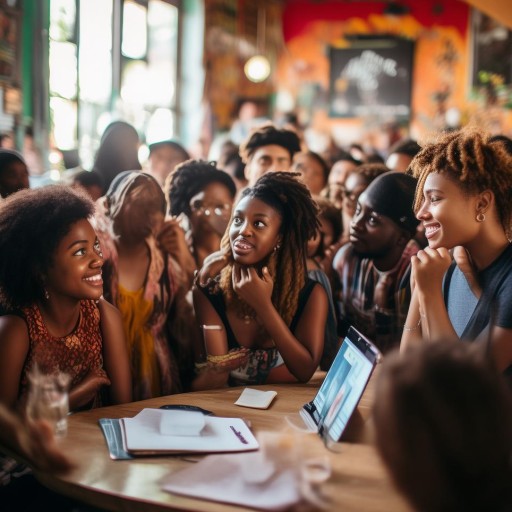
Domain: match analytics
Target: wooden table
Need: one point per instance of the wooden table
(359, 482)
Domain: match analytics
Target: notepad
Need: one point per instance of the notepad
(142, 435)
(255, 398)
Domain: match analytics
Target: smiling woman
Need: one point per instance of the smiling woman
(51, 285)
(463, 200)
(269, 317)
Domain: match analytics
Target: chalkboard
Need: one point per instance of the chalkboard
(371, 77)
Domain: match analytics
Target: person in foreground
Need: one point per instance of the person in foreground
(263, 320)
(51, 286)
(32, 441)
(443, 421)
(463, 201)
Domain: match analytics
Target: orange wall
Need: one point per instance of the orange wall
(441, 66)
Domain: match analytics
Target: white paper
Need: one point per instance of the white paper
(255, 398)
(222, 478)
(142, 434)
(182, 423)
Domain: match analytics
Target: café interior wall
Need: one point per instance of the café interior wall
(440, 75)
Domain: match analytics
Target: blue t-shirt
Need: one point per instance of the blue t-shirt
(461, 302)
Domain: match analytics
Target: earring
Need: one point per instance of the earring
(277, 247)
(480, 217)
(46, 294)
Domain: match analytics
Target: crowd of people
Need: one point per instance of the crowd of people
(186, 274)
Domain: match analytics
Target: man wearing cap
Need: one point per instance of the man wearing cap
(374, 268)
(268, 149)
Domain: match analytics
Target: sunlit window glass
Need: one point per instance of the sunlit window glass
(134, 42)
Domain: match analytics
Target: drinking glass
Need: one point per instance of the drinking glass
(48, 399)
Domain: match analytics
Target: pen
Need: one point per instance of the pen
(239, 435)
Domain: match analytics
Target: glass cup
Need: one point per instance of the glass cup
(48, 399)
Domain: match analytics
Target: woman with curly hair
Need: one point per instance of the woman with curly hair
(51, 287)
(262, 310)
(200, 199)
(463, 200)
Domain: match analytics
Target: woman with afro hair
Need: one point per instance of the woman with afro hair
(51, 288)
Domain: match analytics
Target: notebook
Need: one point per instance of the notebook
(336, 400)
(159, 431)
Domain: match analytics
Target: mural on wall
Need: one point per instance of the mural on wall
(440, 73)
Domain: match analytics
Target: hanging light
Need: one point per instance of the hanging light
(257, 68)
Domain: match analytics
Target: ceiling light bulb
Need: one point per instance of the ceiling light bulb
(257, 68)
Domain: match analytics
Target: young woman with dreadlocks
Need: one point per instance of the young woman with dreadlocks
(263, 320)
(463, 200)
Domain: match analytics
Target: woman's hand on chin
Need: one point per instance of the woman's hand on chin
(429, 267)
(250, 287)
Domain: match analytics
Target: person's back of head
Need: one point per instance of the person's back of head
(91, 182)
(118, 151)
(401, 154)
(443, 418)
(164, 156)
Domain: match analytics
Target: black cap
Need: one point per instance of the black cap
(392, 194)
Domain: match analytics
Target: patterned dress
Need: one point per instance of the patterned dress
(77, 354)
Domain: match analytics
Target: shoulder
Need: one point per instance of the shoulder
(107, 310)
(344, 252)
(14, 329)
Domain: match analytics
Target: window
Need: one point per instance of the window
(112, 59)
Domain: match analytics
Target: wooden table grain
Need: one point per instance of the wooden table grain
(358, 483)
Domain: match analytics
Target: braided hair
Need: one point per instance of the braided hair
(473, 159)
(291, 198)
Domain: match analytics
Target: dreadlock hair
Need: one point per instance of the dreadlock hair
(474, 160)
(291, 198)
(188, 179)
(32, 223)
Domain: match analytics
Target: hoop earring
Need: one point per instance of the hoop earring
(480, 217)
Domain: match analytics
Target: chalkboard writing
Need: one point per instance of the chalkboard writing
(372, 77)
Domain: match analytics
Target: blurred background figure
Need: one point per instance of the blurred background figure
(118, 152)
(13, 172)
(313, 169)
(268, 149)
(231, 162)
(200, 200)
(401, 154)
(443, 420)
(90, 181)
(337, 176)
(32, 154)
(7, 141)
(164, 156)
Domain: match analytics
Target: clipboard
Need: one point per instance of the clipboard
(141, 435)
